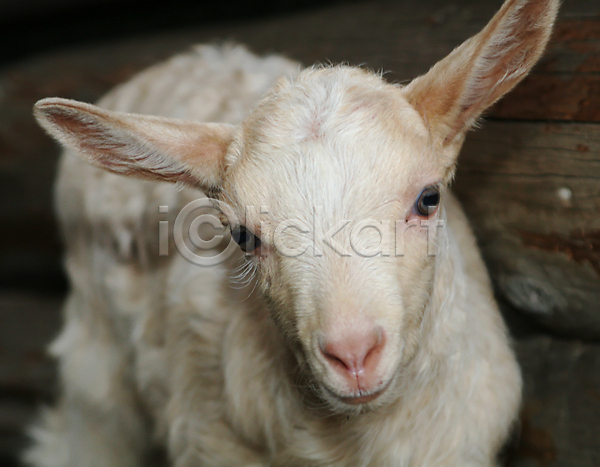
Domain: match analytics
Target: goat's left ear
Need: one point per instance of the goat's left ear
(454, 93)
(139, 145)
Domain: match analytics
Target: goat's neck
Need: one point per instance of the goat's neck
(443, 328)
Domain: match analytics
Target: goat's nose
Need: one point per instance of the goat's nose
(355, 355)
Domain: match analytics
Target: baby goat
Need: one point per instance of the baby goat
(336, 350)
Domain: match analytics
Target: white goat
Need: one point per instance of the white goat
(333, 359)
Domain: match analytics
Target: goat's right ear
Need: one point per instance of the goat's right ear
(139, 145)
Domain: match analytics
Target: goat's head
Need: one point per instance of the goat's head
(335, 144)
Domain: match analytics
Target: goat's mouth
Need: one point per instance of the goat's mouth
(360, 397)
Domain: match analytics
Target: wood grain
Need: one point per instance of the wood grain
(532, 192)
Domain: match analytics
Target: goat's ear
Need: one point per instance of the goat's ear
(454, 93)
(139, 145)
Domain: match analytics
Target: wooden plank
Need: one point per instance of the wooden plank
(566, 84)
(561, 404)
(532, 192)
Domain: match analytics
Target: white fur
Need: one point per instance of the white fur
(227, 372)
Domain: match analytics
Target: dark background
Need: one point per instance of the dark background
(32, 27)
(80, 49)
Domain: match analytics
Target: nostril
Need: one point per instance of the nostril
(336, 360)
(356, 352)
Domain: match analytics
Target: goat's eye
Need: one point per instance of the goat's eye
(428, 201)
(244, 238)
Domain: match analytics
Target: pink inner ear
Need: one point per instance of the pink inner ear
(89, 133)
(142, 146)
(68, 120)
(106, 150)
